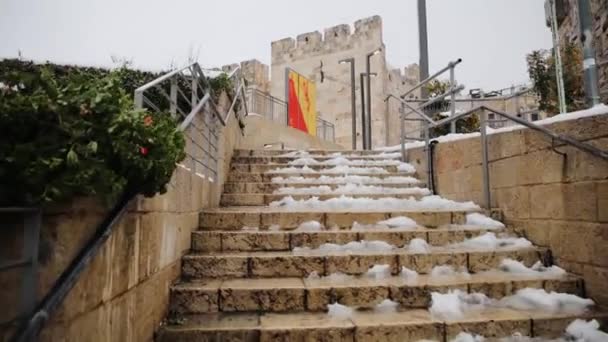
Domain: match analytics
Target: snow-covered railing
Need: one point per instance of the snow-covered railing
(482, 110)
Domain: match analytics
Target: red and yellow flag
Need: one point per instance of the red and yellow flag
(302, 105)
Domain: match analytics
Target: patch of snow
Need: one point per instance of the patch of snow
(489, 241)
(345, 169)
(247, 228)
(405, 167)
(346, 180)
(293, 169)
(351, 247)
(274, 227)
(352, 189)
(447, 271)
(379, 272)
(418, 246)
(466, 337)
(400, 221)
(339, 311)
(309, 226)
(516, 267)
(386, 306)
(550, 302)
(303, 161)
(409, 275)
(587, 331)
(477, 219)
(456, 304)
(431, 203)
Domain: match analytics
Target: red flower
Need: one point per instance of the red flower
(143, 151)
(148, 121)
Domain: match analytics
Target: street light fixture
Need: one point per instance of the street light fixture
(364, 140)
(368, 129)
(353, 96)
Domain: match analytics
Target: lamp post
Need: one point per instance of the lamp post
(353, 96)
(589, 64)
(369, 97)
(365, 118)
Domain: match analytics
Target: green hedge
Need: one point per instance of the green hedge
(69, 131)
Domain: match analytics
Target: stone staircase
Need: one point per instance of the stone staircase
(263, 268)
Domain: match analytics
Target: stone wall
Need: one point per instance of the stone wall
(555, 201)
(316, 56)
(123, 294)
(569, 31)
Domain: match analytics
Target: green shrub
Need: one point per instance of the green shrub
(73, 132)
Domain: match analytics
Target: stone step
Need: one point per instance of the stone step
(250, 177)
(244, 199)
(256, 153)
(235, 218)
(279, 159)
(269, 188)
(368, 326)
(254, 241)
(289, 264)
(305, 294)
(276, 168)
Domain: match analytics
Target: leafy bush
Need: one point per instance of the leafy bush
(541, 68)
(467, 124)
(73, 131)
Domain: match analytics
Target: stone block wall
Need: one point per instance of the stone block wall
(123, 294)
(556, 201)
(316, 56)
(569, 31)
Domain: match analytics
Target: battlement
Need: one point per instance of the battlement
(408, 76)
(335, 38)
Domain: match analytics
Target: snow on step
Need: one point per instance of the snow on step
(352, 189)
(354, 179)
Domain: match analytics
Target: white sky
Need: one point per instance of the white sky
(491, 36)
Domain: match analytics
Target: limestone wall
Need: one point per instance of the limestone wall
(555, 201)
(316, 56)
(123, 293)
(569, 30)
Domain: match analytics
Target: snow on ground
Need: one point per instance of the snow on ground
(343, 161)
(309, 226)
(517, 268)
(578, 330)
(339, 311)
(408, 274)
(346, 180)
(456, 304)
(597, 110)
(430, 203)
(295, 154)
(418, 246)
(352, 189)
(351, 247)
(293, 169)
(399, 222)
(477, 219)
(447, 271)
(378, 272)
(386, 306)
(489, 241)
(549, 302)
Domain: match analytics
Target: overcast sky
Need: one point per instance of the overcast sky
(491, 36)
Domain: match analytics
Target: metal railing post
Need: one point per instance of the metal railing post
(485, 168)
(452, 99)
(427, 148)
(402, 127)
(173, 96)
(139, 100)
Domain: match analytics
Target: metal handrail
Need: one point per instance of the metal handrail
(484, 143)
(30, 328)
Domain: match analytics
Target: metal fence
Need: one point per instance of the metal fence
(482, 111)
(275, 109)
(268, 106)
(186, 94)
